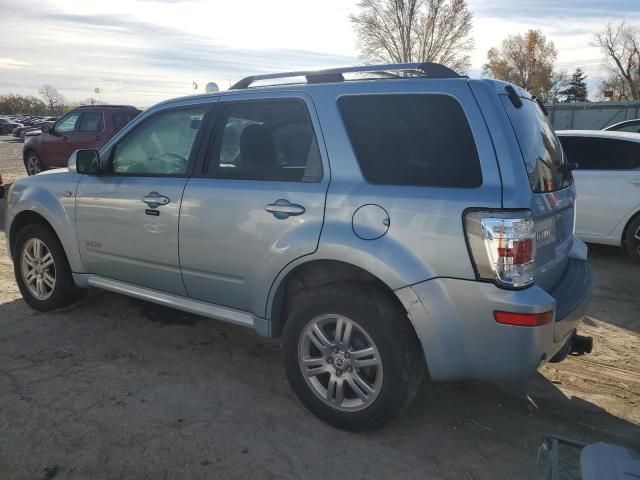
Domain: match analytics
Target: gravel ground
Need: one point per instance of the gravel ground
(118, 388)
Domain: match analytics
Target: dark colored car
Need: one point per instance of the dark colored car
(7, 126)
(84, 127)
(632, 126)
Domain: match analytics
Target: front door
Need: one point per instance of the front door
(58, 144)
(127, 217)
(260, 203)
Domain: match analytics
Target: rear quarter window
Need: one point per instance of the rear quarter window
(412, 139)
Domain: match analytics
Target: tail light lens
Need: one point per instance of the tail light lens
(502, 246)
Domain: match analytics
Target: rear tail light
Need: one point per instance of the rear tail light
(523, 319)
(502, 246)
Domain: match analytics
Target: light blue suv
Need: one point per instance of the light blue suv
(387, 222)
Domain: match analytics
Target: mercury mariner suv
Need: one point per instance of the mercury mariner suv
(388, 222)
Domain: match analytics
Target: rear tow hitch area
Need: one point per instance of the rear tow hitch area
(576, 345)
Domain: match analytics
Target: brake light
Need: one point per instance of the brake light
(523, 319)
(502, 246)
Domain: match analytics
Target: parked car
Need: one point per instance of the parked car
(7, 126)
(632, 126)
(607, 176)
(84, 127)
(382, 227)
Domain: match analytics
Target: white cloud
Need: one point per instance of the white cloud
(11, 63)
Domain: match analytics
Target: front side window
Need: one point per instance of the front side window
(67, 123)
(161, 145)
(266, 140)
(601, 153)
(412, 139)
(91, 122)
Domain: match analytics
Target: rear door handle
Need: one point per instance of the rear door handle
(282, 209)
(154, 199)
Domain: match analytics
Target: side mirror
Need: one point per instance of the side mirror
(84, 162)
(47, 128)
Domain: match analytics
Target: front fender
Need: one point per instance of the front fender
(52, 196)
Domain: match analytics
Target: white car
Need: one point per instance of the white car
(606, 171)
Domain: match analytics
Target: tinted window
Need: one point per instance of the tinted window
(634, 128)
(601, 153)
(67, 123)
(539, 145)
(161, 144)
(267, 140)
(122, 117)
(419, 139)
(91, 122)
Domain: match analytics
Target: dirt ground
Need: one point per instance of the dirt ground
(115, 388)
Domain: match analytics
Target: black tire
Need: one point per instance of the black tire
(632, 239)
(386, 324)
(64, 291)
(30, 157)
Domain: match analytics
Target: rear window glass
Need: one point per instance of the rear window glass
(601, 153)
(539, 145)
(412, 139)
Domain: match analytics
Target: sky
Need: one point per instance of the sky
(141, 52)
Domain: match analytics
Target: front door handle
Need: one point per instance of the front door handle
(282, 209)
(154, 199)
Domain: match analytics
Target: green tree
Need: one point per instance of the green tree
(13, 104)
(576, 91)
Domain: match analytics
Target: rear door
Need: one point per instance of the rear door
(259, 203)
(90, 132)
(607, 180)
(551, 195)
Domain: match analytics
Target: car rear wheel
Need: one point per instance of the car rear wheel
(42, 271)
(351, 355)
(632, 240)
(33, 163)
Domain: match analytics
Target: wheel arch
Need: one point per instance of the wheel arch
(312, 274)
(628, 223)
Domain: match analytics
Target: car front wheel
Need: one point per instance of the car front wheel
(33, 164)
(351, 355)
(42, 271)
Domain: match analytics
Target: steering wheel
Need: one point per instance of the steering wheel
(174, 160)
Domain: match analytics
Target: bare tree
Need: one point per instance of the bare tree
(526, 60)
(401, 31)
(621, 45)
(55, 100)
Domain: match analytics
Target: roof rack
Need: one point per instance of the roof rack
(426, 69)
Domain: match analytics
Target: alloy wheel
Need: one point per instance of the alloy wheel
(38, 269)
(340, 362)
(33, 165)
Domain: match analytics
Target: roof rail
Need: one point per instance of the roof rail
(427, 69)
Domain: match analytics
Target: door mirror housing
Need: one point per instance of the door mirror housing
(86, 162)
(47, 128)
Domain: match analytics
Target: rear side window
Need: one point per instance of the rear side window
(270, 140)
(601, 153)
(412, 139)
(122, 117)
(91, 122)
(539, 145)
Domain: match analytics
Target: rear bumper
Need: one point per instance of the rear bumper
(460, 338)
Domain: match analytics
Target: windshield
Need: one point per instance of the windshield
(541, 149)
